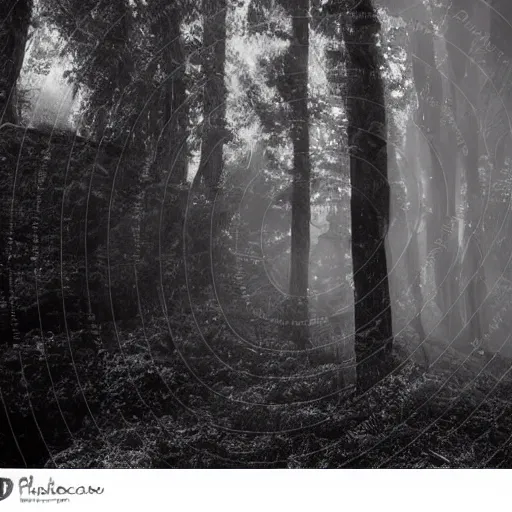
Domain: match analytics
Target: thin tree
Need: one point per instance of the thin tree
(413, 261)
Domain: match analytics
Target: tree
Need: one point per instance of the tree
(413, 257)
(467, 78)
(294, 89)
(436, 161)
(370, 208)
(214, 131)
(129, 62)
(172, 153)
(15, 17)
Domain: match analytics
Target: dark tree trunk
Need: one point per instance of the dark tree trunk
(15, 18)
(297, 78)
(172, 150)
(214, 96)
(370, 208)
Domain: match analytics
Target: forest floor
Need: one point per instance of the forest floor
(216, 403)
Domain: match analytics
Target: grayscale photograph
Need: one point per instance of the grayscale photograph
(255, 234)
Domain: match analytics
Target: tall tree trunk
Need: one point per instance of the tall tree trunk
(473, 233)
(171, 157)
(458, 41)
(15, 18)
(441, 179)
(214, 96)
(413, 260)
(172, 151)
(297, 75)
(466, 100)
(449, 257)
(370, 208)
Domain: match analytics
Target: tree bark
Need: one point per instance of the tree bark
(370, 208)
(172, 150)
(297, 71)
(214, 96)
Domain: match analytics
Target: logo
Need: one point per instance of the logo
(6, 487)
(30, 492)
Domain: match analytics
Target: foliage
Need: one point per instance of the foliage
(138, 407)
(146, 321)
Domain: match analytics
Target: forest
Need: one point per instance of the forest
(255, 233)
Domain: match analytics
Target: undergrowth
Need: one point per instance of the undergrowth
(140, 405)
